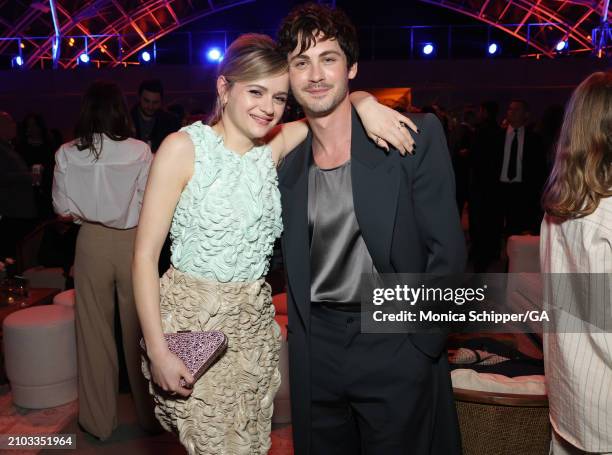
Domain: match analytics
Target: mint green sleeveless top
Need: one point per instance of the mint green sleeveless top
(229, 213)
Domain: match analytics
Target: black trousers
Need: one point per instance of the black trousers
(371, 393)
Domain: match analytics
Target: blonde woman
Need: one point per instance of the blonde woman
(215, 188)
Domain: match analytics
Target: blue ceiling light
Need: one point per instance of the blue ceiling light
(561, 45)
(428, 49)
(214, 55)
(145, 56)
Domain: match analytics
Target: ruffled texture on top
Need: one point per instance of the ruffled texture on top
(229, 214)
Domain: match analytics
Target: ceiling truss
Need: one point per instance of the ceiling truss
(118, 29)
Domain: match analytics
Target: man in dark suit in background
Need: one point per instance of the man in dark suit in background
(348, 209)
(151, 121)
(521, 172)
(152, 124)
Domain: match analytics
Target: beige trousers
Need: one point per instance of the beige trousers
(102, 267)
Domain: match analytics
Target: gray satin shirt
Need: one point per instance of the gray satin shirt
(338, 254)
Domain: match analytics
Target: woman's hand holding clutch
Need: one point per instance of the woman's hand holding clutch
(167, 370)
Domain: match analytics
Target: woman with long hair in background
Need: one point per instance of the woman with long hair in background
(99, 182)
(576, 260)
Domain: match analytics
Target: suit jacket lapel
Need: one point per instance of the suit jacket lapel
(375, 179)
(295, 215)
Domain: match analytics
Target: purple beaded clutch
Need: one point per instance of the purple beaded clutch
(197, 350)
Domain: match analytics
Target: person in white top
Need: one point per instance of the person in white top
(99, 182)
(576, 259)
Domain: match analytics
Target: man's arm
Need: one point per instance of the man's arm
(437, 218)
(434, 201)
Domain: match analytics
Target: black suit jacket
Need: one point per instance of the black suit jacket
(535, 172)
(486, 157)
(534, 159)
(406, 210)
(486, 193)
(165, 124)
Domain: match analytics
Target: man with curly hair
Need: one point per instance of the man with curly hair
(350, 210)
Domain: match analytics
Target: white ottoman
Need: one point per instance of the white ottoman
(65, 298)
(40, 356)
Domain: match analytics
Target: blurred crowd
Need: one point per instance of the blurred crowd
(499, 177)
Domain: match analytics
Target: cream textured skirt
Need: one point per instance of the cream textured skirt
(229, 411)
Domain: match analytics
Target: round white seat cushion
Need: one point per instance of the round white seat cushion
(40, 356)
(66, 298)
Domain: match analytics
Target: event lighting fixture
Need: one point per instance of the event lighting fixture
(145, 57)
(561, 45)
(428, 49)
(17, 61)
(214, 55)
(493, 48)
(83, 58)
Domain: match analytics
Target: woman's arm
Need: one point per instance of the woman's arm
(143, 176)
(58, 190)
(285, 137)
(382, 124)
(171, 170)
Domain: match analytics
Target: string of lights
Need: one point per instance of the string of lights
(211, 46)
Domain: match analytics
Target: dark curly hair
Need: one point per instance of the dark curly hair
(302, 25)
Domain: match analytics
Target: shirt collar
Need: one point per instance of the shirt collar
(510, 129)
